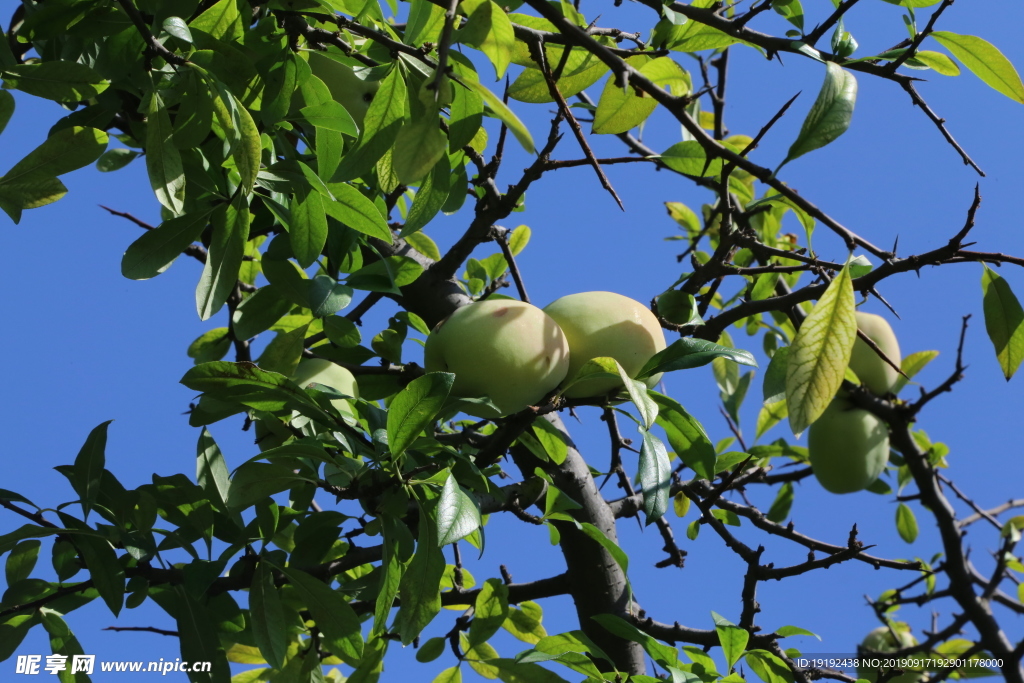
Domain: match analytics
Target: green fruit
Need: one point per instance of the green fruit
(881, 640)
(509, 351)
(273, 434)
(327, 373)
(606, 324)
(873, 372)
(849, 447)
(348, 89)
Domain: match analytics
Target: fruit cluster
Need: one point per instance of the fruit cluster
(515, 353)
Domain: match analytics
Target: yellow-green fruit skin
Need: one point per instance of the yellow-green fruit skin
(327, 373)
(509, 351)
(881, 640)
(871, 370)
(606, 324)
(849, 447)
(346, 88)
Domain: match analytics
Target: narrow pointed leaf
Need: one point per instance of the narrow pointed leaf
(985, 61)
(1004, 321)
(831, 113)
(224, 257)
(820, 353)
(655, 472)
(688, 353)
(155, 250)
(267, 617)
(163, 161)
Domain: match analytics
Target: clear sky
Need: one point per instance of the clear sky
(83, 345)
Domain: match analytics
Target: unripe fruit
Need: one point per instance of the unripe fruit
(606, 324)
(873, 372)
(881, 640)
(849, 447)
(346, 88)
(327, 373)
(509, 351)
(269, 435)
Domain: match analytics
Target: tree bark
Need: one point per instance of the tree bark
(597, 583)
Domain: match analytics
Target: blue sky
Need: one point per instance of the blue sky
(84, 345)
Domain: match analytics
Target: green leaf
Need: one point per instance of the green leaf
(820, 353)
(384, 120)
(338, 623)
(115, 159)
(985, 61)
(155, 250)
(617, 553)
(418, 147)
(458, 514)
(782, 504)
(254, 481)
(1004, 321)
(431, 649)
(791, 10)
(489, 30)
(787, 631)
(106, 572)
(308, 229)
(211, 470)
(58, 80)
(177, 27)
(732, 638)
(830, 115)
(332, 116)
(490, 611)
(774, 388)
(581, 71)
(357, 212)
(938, 62)
(199, 639)
(270, 628)
(249, 385)
(6, 108)
(768, 667)
(163, 161)
(912, 365)
(655, 472)
(415, 407)
(429, 199)
(88, 469)
(327, 297)
(224, 257)
(619, 111)
(688, 353)
(425, 23)
(449, 675)
(663, 654)
(686, 436)
(906, 523)
(501, 111)
(420, 590)
(21, 561)
(64, 151)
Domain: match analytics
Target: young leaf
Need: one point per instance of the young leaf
(1004, 321)
(912, 365)
(458, 514)
(830, 115)
(489, 30)
(655, 472)
(820, 353)
(415, 407)
(490, 611)
(732, 637)
(501, 111)
(985, 61)
(906, 523)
